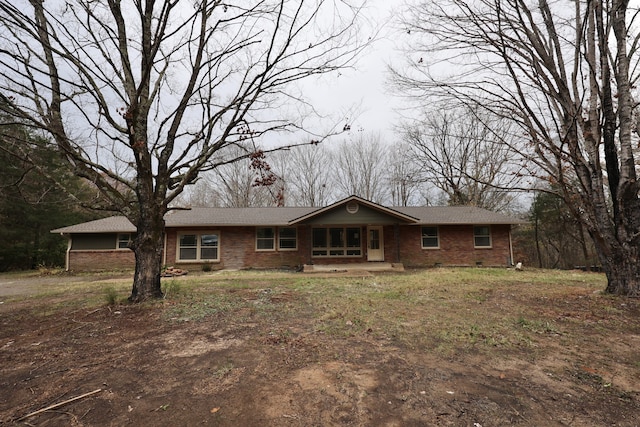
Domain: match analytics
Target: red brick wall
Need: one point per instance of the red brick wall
(237, 250)
(401, 244)
(101, 260)
(456, 247)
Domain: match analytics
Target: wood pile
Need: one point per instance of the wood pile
(173, 272)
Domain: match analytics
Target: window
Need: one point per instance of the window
(265, 239)
(209, 246)
(319, 242)
(287, 238)
(430, 238)
(124, 240)
(353, 242)
(337, 241)
(482, 236)
(198, 247)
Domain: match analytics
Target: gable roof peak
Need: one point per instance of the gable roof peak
(359, 200)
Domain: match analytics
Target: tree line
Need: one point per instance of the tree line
(33, 201)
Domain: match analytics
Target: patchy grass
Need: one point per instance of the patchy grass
(427, 347)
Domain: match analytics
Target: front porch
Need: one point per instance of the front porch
(361, 266)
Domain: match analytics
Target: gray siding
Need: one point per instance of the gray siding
(365, 215)
(94, 241)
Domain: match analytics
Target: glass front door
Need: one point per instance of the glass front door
(375, 244)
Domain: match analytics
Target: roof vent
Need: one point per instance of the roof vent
(352, 207)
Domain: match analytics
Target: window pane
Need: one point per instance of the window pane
(264, 244)
(288, 244)
(123, 241)
(287, 238)
(336, 237)
(430, 231)
(265, 233)
(429, 242)
(209, 240)
(208, 253)
(288, 233)
(209, 246)
(482, 236)
(188, 253)
(320, 238)
(337, 241)
(481, 230)
(265, 238)
(374, 239)
(198, 247)
(430, 237)
(353, 237)
(483, 241)
(188, 240)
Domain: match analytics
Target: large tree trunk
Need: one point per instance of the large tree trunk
(623, 274)
(148, 249)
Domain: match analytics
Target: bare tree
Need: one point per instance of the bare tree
(248, 182)
(563, 74)
(403, 175)
(139, 96)
(360, 167)
(307, 176)
(463, 152)
(230, 185)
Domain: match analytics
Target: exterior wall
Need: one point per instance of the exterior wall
(82, 260)
(95, 241)
(402, 243)
(237, 250)
(456, 247)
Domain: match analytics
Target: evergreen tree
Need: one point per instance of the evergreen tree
(31, 204)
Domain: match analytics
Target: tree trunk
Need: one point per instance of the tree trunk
(623, 273)
(148, 248)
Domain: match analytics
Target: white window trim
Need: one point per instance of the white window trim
(275, 240)
(437, 236)
(278, 238)
(118, 248)
(198, 234)
(345, 248)
(490, 246)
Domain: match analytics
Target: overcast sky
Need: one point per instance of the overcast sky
(364, 88)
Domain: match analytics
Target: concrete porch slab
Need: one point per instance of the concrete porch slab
(364, 266)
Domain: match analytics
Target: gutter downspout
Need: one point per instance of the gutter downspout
(164, 250)
(66, 254)
(396, 232)
(510, 249)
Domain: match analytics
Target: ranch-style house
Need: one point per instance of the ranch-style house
(352, 230)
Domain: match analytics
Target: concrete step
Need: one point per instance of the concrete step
(364, 266)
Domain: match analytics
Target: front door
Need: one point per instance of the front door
(375, 244)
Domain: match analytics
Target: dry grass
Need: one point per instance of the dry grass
(492, 311)
(426, 347)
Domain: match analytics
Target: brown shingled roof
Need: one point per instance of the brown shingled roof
(114, 224)
(234, 216)
(450, 215)
(212, 217)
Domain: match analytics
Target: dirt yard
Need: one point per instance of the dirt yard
(475, 348)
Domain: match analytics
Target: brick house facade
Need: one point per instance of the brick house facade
(352, 230)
